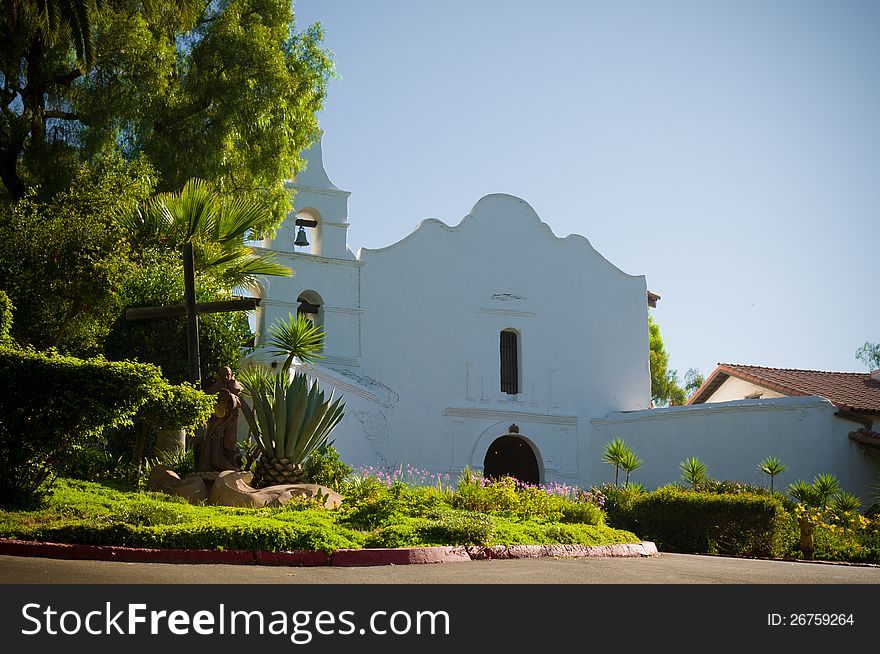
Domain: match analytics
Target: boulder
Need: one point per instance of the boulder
(233, 489)
(164, 480)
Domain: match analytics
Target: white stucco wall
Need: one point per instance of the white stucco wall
(734, 388)
(435, 304)
(732, 438)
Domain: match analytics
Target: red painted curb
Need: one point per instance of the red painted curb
(346, 557)
(400, 556)
(298, 557)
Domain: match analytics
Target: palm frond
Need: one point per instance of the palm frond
(240, 217)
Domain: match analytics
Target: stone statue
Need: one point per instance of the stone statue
(219, 449)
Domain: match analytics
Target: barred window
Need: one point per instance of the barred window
(509, 362)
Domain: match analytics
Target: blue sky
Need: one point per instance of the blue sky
(728, 151)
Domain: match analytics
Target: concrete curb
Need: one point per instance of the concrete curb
(356, 557)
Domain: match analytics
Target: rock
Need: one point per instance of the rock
(164, 480)
(332, 499)
(233, 489)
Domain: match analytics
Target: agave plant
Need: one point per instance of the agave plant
(288, 419)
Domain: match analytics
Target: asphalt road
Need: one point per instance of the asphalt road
(663, 569)
(485, 603)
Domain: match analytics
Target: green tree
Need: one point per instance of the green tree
(222, 90)
(826, 485)
(666, 387)
(6, 309)
(64, 259)
(804, 493)
(869, 354)
(158, 281)
(693, 379)
(55, 22)
(295, 338)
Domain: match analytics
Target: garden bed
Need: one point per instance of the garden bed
(374, 515)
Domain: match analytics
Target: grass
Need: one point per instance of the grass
(376, 513)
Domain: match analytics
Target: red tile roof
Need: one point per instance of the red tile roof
(853, 391)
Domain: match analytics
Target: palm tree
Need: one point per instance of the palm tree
(771, 466)
(56, 21)
(218, 230)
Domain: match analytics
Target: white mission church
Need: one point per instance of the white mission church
(497, 345)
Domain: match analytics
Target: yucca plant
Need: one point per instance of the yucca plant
(630, 463)
(771, 466)
(614, 454)
(297, 338)
(825, 485)
(693, 471)
(804, 493)
(288, 419)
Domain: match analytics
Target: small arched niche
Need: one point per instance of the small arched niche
(514, 456)
(309, 220)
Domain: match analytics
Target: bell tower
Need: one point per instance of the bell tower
(325, 286)
(318, 222)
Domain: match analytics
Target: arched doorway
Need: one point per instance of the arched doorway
(512, 455)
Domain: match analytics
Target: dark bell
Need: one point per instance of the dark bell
(301, 240)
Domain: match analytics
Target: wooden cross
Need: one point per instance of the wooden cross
(192, 310)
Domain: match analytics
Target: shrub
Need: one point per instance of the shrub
(51, 403)
(171, 406)
(6, 310)
(325, 467)
(452, 527)
(401, 534)
(54, 406)
(677, 520)
(95, 462)
(618, 501)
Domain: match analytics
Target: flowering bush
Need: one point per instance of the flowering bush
(414, 491)
(838, 535)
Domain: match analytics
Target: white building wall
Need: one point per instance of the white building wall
(732, 438)
(734, 388)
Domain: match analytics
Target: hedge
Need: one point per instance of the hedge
(50, 403)
(677, 520)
